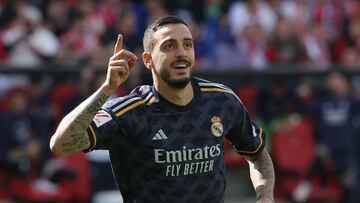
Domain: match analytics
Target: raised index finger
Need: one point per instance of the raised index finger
(119, 44)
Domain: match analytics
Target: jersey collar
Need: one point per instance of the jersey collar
(166, 103)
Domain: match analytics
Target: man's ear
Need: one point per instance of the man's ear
(146, 56)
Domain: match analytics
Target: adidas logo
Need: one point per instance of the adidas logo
(160, 135)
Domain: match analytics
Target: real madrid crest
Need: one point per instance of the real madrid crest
(217, 128)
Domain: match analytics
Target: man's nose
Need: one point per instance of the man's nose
(180, 51)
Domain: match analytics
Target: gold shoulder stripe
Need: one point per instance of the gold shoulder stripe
(125, 103)
(129, 108)
(214, 89)
(257, 149)
(151, 101)
(211, 85)
(94, 136)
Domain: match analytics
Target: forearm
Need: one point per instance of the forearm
(262, 176)
(71, 136)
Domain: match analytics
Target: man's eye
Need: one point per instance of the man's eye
(188, 45)
(169, 46)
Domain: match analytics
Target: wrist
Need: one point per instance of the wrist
(107, 90)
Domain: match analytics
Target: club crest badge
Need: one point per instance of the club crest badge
(217, 128)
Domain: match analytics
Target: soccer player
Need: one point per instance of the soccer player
(166, 141)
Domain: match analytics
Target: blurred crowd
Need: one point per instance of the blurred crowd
(253, 34)
(313, 123)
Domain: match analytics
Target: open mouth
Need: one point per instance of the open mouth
(179, 65)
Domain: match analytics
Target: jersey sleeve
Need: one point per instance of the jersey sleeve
(245, 135)
(103, 130)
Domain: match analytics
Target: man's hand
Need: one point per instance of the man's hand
(71, 135)
(119, 67)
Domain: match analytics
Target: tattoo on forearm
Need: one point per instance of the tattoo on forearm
(77, 142)
(85, 117)
(84, 114)
(264, 166)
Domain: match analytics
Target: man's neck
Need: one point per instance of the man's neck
(180, 97)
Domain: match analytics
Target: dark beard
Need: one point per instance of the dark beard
(178, 84)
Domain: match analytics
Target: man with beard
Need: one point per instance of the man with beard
(166, 141)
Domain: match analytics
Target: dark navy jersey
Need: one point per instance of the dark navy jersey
(162, 152)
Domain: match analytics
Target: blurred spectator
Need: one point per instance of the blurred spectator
(286, 46)
(9, 81)
(331, 16)
(57, 16)
(219, 42)
(252, 46)
(306, 95)
(349, 43)
(38, 106)
(79, 41)
(350, 58)
(336, 19)
(316, 42)
(126, 25)
(27, 38)
(326, 28)
(275, 102)
(298, 12)
(295, 138)
(354, 33)
(336, 134)
(21, 149)
(21, 146)
(249, 12)
(84, 34)
(109, 11)
(7, 16)
(155, 9)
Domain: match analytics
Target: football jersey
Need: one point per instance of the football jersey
(163, 152)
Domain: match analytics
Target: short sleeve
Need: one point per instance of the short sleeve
(102, 131)
(245, 135)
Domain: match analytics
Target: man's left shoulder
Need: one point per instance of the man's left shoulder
(207, 86)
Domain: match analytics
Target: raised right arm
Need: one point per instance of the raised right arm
(71, 134)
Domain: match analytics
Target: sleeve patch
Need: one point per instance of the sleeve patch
(101, 118)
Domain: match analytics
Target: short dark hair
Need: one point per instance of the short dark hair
(155, 26)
